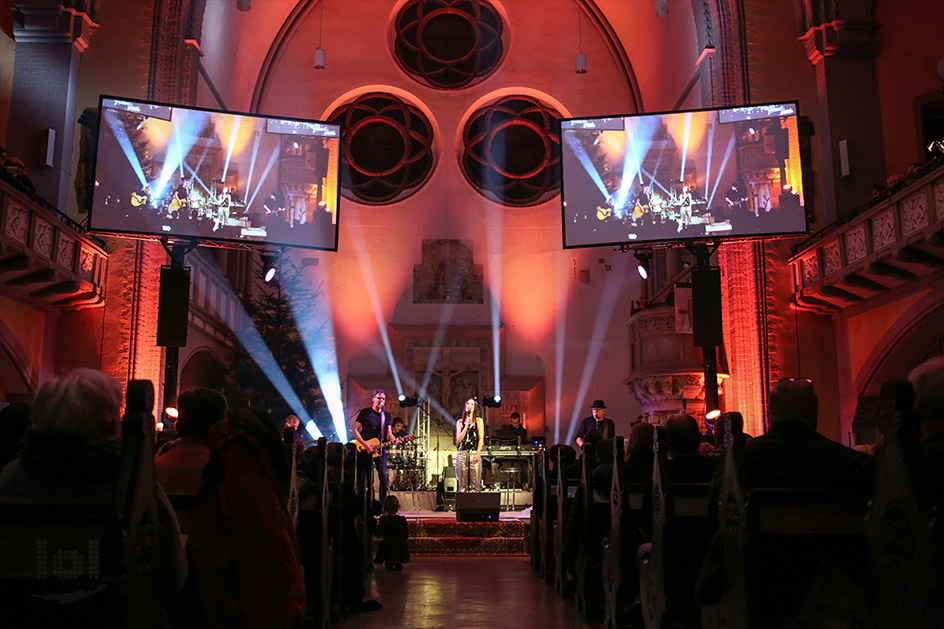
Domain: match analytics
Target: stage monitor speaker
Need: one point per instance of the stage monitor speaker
(173, 306)
(478, 507)
(706, 307)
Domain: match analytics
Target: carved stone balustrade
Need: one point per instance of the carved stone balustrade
(45, 258)
(896, 242)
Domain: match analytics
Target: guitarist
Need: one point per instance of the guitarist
(374, 423)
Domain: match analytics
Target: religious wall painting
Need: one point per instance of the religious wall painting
(446, 274)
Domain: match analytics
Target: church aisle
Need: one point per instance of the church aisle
(492, 592)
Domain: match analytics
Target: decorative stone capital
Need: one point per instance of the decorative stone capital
(52, 24)
(841, 39)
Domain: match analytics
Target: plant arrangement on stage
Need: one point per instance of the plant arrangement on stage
(271, 363)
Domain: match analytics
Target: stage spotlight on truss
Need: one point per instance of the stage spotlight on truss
(644, 259)
(270, 265)
(407, 401)
(493, 401)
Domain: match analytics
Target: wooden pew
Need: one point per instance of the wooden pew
(548, 518)
(338, 476)
(904, 536)
(669, 563)
(593, 522)
(537, 511)
(566, 491)
(314, 535)
(771, 535)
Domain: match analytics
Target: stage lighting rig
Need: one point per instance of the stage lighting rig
(494, 401)
(408, 401)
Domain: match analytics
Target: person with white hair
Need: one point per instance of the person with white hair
(72, 452)
(72, 447)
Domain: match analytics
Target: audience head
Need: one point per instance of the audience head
(591, 439)
(14, 419)
(199, 409)
(84, 403)
(927, 379)
(604, 451)
(682, 434)
(737, 427)
(516, 419)
(391, 505)
(640, 439)
(793, 401)
(292, 421)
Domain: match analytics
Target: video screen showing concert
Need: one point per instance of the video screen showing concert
(193, 173)
(719, 173)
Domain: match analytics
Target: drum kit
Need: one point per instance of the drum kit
(406, 467)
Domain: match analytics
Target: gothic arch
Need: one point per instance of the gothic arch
(17, 376)
(305, 7)
(905, 345)
(202, 369)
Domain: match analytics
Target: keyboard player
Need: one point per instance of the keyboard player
(512, 435)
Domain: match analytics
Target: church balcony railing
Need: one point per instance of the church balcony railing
(46, 258)
(890, 245)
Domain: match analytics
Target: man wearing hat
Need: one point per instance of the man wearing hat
(596, 420)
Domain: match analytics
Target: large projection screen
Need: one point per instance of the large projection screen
(659, 178)
(185, 172)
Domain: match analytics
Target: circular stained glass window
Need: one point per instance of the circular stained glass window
(511, 151)
(448, 43)
(388, 148)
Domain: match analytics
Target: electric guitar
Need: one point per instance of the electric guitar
(377, 445)
(604, 212)
(139, 199)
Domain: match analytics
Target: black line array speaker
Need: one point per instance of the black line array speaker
(706, 307)
(478, 507)
(173, 306)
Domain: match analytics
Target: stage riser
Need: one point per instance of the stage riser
(449, 537)
(426, 500)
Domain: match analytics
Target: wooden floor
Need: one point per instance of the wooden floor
(455, 592)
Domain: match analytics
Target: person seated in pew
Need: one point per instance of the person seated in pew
(686, 463)
(244, 546)
(927, 380)
(72, 451)
(638, 463)
(179, 464)
(589, 450)
(793, 455)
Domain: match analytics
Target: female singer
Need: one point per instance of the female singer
(470, 435)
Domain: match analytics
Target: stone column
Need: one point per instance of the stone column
(50, 39)
(842, 45)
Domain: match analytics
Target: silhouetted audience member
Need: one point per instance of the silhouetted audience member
(686, 464)
(927, 380)
(179, 465)
(589, 451)
(793, 455)
(16, 171)
(245, 552)
(14, 419)
(73, 451)
(638, 465)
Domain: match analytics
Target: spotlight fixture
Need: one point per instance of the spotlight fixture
(712, 415)
(270, 265)
(494, 401)
(408, 401)
(644, 259)
(320, 55)
(580, 65)
(171, 411)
